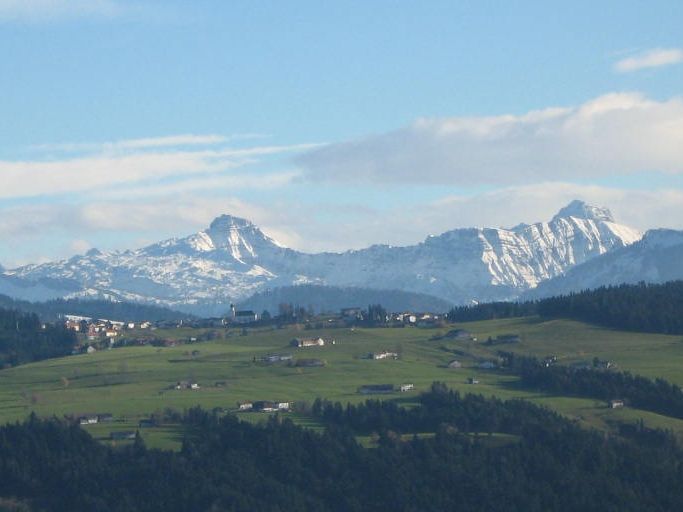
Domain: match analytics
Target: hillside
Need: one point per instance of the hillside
(640, 307)
(133, 382)
(657, 258)
(54, 310)
(333, 298)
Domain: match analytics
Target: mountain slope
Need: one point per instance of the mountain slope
(233, 259)
(333, 298)
(657, 258)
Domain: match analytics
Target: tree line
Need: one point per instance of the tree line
(23, 339)
(656, 395)
(638, 307)
(229, 465)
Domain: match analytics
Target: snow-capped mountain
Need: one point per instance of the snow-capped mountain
(656, 258)
(233, 259)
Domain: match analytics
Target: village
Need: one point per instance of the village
(100, 334)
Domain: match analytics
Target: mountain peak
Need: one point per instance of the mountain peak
(227, 222)
(582, 210)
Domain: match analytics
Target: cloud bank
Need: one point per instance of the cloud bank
(127, 166)
(618, 133)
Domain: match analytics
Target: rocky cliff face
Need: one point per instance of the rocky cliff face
(233, 259)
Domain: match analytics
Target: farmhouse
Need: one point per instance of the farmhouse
(616, 404)
(245, 406)
(383, 355)
(356, 313)
(90, 419)
(407, 387)
(268, 406)
(185, 384)
(307, 342)
(375, 389)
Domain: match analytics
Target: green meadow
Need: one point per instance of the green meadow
(133, 382)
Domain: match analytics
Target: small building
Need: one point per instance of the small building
(460, 334)
(455, 364)
(472, 380)
(356, 313)
(185, 384)
(307, 342)
(407, 387)
(245, 316)
(407, 318)
(383, 355)
(548, 361)
(270, 406)
(616, 404)
(90, 419)
(376, 389)
(274, 358)
(245, 406)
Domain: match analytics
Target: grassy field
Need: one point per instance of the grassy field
(133, 382)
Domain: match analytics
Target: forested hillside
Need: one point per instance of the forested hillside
(544, 463)
(23, 338)
(54, 310)
(641, 307)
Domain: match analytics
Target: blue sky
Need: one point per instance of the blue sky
(331, 124)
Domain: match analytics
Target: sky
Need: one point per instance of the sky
(331, 125)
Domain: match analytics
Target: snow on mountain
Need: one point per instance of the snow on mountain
(656, 258)
(233, 259)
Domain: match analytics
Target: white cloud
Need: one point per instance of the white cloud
(127, 164)
(48, 10)
(650, 59)
(617, 133)
(111, 223)
(146, 143)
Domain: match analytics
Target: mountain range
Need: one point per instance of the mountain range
(233, 259)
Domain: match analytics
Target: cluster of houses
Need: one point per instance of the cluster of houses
(263, 406)
(357, 314)
(97, 329)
